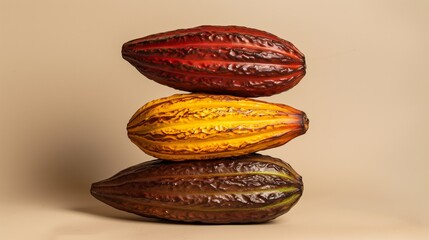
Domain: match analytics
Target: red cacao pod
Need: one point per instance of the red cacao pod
(230, 60)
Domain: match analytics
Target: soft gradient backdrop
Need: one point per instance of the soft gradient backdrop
(66, 96)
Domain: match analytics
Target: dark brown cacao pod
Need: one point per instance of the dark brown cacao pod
(247, 189)
(229, 60)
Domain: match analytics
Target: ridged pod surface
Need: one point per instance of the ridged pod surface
(203, 126)
(251, 188)
(229, 60)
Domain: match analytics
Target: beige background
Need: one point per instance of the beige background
(66, 96)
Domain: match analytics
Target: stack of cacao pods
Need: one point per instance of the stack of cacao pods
(206, 141)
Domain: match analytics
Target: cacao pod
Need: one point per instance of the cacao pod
(229, 60)
(203, 126)
(251, 188)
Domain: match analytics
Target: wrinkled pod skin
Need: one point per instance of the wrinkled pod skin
(230, 60)
(203, 126)
(247, 189)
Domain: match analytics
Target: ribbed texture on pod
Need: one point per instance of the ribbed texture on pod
(203, 126)
(229, 60)
(251, 188)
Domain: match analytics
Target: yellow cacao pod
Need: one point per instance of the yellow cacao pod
(203, 126)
